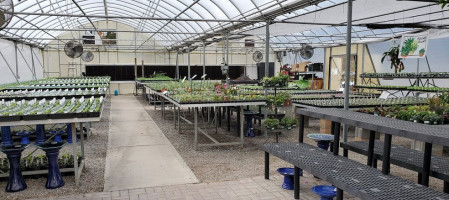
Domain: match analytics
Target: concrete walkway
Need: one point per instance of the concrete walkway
(139, 155)
(256, 188)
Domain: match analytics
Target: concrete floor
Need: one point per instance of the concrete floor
(139, 155)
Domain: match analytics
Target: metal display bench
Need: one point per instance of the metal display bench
(425, 133)
(78, 167)
(195, 106)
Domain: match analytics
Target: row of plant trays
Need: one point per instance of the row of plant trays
(408, 88)
(8, 98)
(49, 116)
(406, 75)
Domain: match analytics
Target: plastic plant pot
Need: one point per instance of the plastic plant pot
(69, 134)
(326, 192)
(24, 137)
(54, 177)
(57, 134)
(6, 136)
(288, 174)
(323, 140)
(15, 180)
(40, 134)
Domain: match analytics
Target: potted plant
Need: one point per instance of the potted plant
(271, 123)
(421, 52)
(393, 55)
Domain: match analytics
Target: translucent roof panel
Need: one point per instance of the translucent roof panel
(178, 21)
(60, 15)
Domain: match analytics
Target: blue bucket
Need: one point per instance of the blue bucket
(116, 93)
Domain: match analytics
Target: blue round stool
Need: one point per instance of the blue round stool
(15, 180)
(6, 136)
(326, 192)
(57, 134)
(322, 140)
(288, 173)
(24, 137)
(40, 134)
(54, 177)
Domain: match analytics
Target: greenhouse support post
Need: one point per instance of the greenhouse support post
(267, 49)
(348, 64)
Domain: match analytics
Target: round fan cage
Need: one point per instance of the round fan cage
(87, 56)
(257, 56)
(306, 52)
(73, 49)
(6, 10)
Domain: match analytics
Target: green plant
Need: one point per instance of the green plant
(443, 3)
(396, 62)
(271, 123)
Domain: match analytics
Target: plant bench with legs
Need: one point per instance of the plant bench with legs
(360, 180)
(404, 157)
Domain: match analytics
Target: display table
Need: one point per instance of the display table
(195, 106)
(425, 133)
(78, 167)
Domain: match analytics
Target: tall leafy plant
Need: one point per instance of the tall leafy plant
(443, 3)
(396, 62)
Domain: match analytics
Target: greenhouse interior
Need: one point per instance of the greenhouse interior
(224, 99)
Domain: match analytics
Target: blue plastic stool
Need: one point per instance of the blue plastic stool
(16, 182)
(24, 137)
(6, 136)
(40, 134)
(322, 140)
(288, 173)
(57, 134)
(69, 134)
(326, 192)
(54, 177)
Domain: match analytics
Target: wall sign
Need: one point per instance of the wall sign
(413, 45)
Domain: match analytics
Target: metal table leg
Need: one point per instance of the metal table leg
(75, 156)
(301, 129)
(267, 165)
(426, 164)
(296, 182)
(241, 125)
(195, 114)
(179, 119)
(386, 155)
(336, 138)
(372, 135)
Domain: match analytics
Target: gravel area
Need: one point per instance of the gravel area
(211, 164)
(92, 178)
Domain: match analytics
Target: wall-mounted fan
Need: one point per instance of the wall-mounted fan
(306, 52)
(6, 10)
(73, 49)
(87, 56)
(257, 56)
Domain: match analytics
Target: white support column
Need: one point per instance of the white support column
(348, 65)
(177, 64)
(17, 61)
(267, 49)
(188, 64)
(204, 57)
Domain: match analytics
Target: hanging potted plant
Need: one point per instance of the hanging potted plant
(393, 56)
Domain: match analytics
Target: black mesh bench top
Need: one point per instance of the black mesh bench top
(434, 134)
(404, 157)
(353, 177)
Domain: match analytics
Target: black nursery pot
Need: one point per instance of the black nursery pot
(62, 115)
(35, 117)
(9, 118)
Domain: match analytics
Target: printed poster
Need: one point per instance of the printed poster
(414, 45)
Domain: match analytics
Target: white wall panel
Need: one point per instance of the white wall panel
(24, 69)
